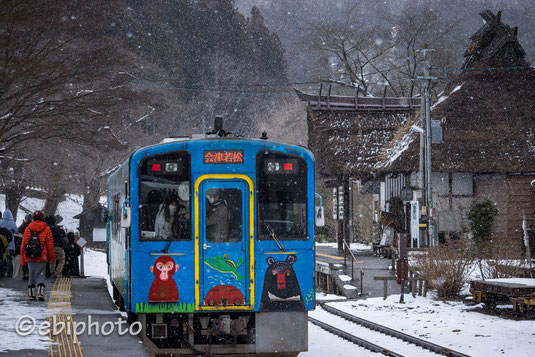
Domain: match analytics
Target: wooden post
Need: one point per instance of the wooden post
(385, 289)
(319, 96)
(329, 97)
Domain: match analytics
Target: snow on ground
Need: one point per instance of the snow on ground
(450, 324)
(523, 281)
(354, 246)
(95, 266)
(14, 305)
(70, 207)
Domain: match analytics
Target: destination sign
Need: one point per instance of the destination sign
(223, 156)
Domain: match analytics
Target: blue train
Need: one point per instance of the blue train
(211, 245)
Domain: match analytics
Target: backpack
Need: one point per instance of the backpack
(60, 240)
(33, 246)
(5, 239)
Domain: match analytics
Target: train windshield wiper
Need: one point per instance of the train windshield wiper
(274, 236)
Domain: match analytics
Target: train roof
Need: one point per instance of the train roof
(200, 138)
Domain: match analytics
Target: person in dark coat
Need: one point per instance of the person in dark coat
(72, 251)
(22, 228)
(59, 243)
(8, 222)
(217, 220)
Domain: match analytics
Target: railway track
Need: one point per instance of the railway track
(372, 326)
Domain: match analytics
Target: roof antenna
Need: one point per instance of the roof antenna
(218, 127)
(264, 136)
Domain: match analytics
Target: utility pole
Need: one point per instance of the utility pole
(426, 107)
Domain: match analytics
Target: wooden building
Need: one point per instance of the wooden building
(487, 145)
(93, 226)
(347, 135)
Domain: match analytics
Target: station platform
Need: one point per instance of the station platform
(372, 266)
(71, 302)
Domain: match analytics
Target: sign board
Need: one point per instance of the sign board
(223, 156)
(335, 203)
(340, 202)
(99, 234)
(81, 242)
(402, 245)
(415, 223)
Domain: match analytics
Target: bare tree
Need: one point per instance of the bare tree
(412, 29)
(356, 46)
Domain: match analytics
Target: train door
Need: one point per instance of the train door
(225, 237)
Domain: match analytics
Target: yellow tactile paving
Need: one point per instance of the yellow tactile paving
(62, 344)
(335, 257)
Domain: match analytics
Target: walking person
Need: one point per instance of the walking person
(72, 251)
(60, 242)
(27, 220)
(8, 223)
(17, 268)
(37, 230)
(5, 240)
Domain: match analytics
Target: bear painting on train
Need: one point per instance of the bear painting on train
(164, 288)
(281, 288)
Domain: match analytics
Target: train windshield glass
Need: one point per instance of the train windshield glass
(224, 215)
(165, 197)
(282, 196)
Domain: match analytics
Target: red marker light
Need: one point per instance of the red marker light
(288, 166)
(156, 167)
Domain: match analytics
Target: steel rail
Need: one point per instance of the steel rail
(352, 338)
(391, 332)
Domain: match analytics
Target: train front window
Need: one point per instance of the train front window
(164, 195)
(224, 215)
(282, 196)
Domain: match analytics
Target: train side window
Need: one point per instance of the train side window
(224, 215)
(281, 196)
(164, 196)
(116, 222)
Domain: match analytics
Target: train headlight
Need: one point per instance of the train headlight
(171, 167)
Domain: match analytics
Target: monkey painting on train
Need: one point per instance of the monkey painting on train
(164, 288)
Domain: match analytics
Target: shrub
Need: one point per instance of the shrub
(481, 214)
(446, 267)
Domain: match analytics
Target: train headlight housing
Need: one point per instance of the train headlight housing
(171, 167)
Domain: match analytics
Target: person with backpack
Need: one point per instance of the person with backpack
(37, 248)
(8, 223)
(60, 242)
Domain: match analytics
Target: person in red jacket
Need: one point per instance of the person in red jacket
(37, 266)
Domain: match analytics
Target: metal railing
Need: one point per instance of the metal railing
(347, 248)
